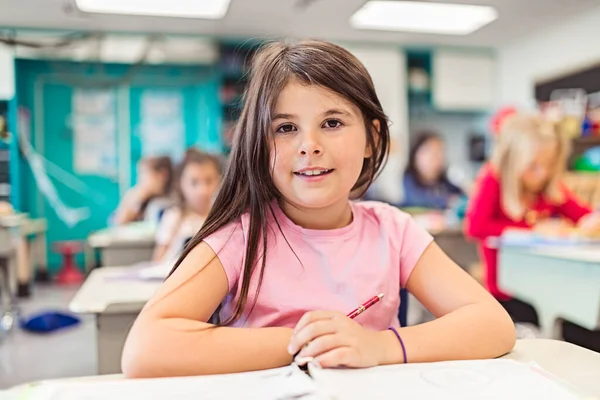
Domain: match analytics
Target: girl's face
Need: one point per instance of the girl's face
(319, 147)
(541, 168)
(151, 180)
(430, 160)
(199, 183)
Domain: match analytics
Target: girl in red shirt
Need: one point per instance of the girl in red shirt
(520, 188)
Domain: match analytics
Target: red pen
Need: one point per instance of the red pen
(365, 306)
(353, 314)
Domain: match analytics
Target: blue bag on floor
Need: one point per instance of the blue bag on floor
(49, 321)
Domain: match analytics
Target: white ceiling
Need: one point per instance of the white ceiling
(327, 19)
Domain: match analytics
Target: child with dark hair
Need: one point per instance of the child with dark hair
(197, 179)
(284, 253)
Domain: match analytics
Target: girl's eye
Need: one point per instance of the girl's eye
(332, 124)
(286, 128)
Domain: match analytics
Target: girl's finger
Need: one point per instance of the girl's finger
(338, 357)
(322, 345)
(313, 316)
(311, 332)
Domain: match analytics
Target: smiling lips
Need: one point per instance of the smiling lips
(313, 174)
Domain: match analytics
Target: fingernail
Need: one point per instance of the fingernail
(291, 349)
(303, 360)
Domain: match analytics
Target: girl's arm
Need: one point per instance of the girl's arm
(159, 252)
(573, 208)
(470, 324)
(166, 232)
(172, 338)
(129, 208)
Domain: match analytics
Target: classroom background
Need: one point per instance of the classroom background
(90, 98)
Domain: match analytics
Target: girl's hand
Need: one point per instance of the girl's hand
(554, 227)
(335, 340)
(589, 225)
(149, 188)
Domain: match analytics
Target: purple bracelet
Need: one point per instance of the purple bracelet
(401, 342)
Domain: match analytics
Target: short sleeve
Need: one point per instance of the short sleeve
(413, 242)
(167, 226)
(228, 243)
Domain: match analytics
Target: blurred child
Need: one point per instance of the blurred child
(155, 175)
(197, 179)
(425, 181)
(287, 255)
(521, 189)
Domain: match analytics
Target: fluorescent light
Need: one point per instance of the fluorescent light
(413, 16)
(209, 9)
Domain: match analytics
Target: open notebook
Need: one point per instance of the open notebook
(464, 380)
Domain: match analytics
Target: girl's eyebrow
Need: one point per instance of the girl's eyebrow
(328, 113)
(335, 111)
(283, 116)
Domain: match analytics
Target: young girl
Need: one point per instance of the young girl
(197, 179)
(425, 181)
(155, 175)
(520, 189)
(287, 255)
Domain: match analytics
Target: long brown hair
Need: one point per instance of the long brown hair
(247, 185)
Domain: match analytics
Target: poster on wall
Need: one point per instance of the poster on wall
(162, 127)
(94, 132)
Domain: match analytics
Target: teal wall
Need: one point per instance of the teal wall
(45, 89)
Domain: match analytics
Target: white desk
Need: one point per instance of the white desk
(27, 254)
(560, 282)
(123, 245)
(8, 281)
(116, 303)
(574, 365)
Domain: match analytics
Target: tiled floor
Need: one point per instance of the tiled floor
(26, 357)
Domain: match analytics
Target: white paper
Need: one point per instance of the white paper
(94, 132)
(146, 271)
(276, 384)
(158, 271)
(162, 126)
(456, 380)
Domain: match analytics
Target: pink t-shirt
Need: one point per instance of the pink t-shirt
(334, 270)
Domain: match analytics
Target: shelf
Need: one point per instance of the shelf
(587, 141)
(582, 144)
(579, 146)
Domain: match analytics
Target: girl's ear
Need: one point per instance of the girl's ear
(376, 127)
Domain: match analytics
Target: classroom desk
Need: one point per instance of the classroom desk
(122, 245)
(571, 364)
(560, 282)
(448, 234)
(115, 302)
(8, 281)
(452, 241)
(27, 253)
